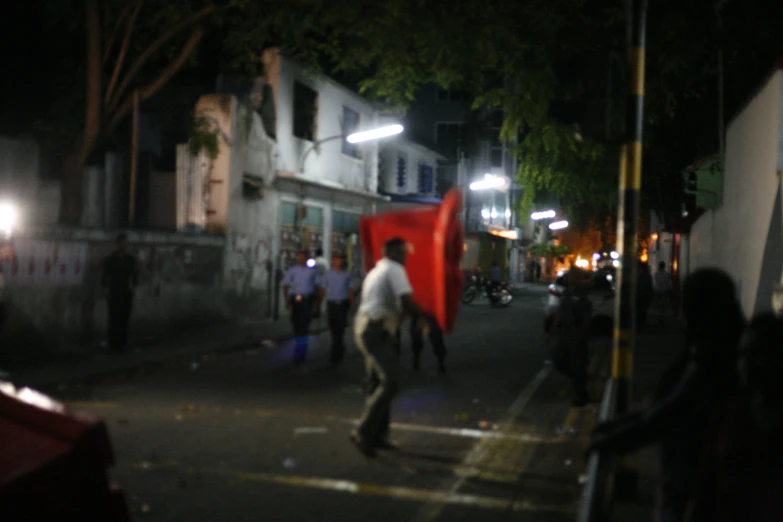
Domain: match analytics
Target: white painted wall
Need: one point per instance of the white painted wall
(733, 237)
(328, 164)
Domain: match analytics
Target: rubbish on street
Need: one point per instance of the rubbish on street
(189, 408)
(310, 430)
(462, 417)
(289, 463)
(548, 362)
(178, 416)
(582, 479)
(483, 424)
(268, 343)
(568, 462)
(145, 508)
(143, 465)
(476, 401)
(194, 366)
(495, 427)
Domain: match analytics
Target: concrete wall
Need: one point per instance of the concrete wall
(56, 302)
(744, 236)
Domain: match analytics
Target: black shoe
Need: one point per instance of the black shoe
(362, 445)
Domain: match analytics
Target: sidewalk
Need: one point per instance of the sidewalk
(193, 343)
(656, 349)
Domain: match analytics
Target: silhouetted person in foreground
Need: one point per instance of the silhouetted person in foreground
(743, 461)
(644, 294)
(680, 420)
(120, 279)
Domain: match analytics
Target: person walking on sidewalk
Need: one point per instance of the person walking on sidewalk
(662, 284)
(336, 289)
(299, 288)
(386, 292)
(680, 422)
(120, 279)
(644, 294)
(572, 329)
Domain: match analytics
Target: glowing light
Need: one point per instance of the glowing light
(654, 237)
(7, 217)
(508, 213)
(374, 134)
(485, 213)
(644, 258)
(506, 234)
(615, 255)
(546, 214)
(490, 181)
(609, 277)
(558, 225)
(615, 263)
(494, 213)
(311, 262)
(582, 263)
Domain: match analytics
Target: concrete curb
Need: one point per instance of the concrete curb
(133, 366)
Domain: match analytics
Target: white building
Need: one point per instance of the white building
(284, 177)
(744, 234)
(408, 174)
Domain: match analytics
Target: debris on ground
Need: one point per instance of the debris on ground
(568, 462)
(289, 463)
(189, 408)
(305, 430)
(194, 366)
(582, 479)
(476, 401)
(462, 417)
(145, 508)
(483, 424)
(178, 417)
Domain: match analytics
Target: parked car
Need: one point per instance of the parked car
(601, 294)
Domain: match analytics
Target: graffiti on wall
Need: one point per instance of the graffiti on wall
(45, 263)
(249, 254)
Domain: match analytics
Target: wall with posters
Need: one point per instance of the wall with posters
(52, 288)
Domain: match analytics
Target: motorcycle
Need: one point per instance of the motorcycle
(497, 293)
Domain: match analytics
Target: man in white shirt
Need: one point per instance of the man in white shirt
(386, 293)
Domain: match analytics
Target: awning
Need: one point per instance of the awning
(291, 183)
(407, 198)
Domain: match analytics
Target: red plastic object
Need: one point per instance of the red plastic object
(435, 245)
(53, 463)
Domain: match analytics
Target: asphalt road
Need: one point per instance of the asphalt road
(240, 436)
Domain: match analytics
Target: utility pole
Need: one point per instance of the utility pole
(624, 338)
(134, 160)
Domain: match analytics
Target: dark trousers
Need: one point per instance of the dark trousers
(301, 315)
(120, 305)
(436, 339)
(642, 307)
(383, 430)
(338, 320)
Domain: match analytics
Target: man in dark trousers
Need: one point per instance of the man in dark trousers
(299, 288)
(436, 339)
(336, 288)
(120, 278)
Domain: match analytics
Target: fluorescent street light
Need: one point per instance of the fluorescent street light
(7, 217)
(494, 214)
(547, 214)
(596, 256)
(508, 213)
(485, 213)
(615, 255)
(490, 181)
(616, 263)
(374, 134)
(558, 225)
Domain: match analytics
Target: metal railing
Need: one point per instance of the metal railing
(596, 501)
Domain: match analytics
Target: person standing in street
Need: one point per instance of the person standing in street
(644, 294)
(386, 293)
(336, 288)
(299, 289)
(435, 335)
(120, 280)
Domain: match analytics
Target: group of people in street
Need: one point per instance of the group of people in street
(716, 414)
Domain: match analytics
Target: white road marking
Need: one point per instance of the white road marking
(432, 509)
(469, 433)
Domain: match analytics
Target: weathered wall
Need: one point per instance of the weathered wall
(55, 299)
(743, 236)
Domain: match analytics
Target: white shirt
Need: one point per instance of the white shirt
(322, 265)
(383, 286)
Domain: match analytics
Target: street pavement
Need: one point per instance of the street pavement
(238, 435)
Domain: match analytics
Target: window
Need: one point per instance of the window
(345, 222)
(305, 111)
(288, 213)
(350, 125)
(496, 157)
(308, 216)
(426, 181)
(448, 137)
(402, 171)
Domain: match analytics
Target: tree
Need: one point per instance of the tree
(130, 51)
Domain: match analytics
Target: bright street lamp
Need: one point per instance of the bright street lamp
(7, 218)
(490, 181)
(356, 137)
(614, 255)
(558, 225)
(546, 214)
(374, 134)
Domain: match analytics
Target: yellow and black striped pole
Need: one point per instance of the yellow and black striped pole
(624, 338)
(628, 212)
